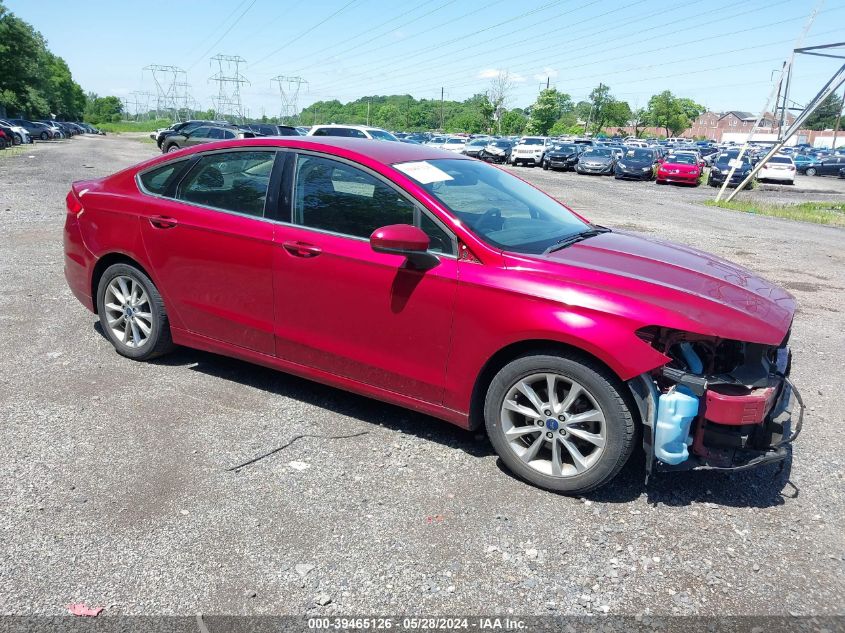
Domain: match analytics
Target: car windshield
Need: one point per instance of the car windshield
(531, 141)
(481, 142)
(567, 148)
(681, 159)
(381, 135)
(597, 152)
(639, 154)
(499, 208)
(501, 143)
(455, 141)
(724, 158)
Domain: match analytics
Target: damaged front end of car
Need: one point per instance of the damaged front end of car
(719, 404)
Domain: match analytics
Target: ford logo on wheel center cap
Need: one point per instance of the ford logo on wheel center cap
(551, 424)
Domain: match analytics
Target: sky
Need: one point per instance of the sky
(724, 54)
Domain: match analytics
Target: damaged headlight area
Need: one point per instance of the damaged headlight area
(718, 404)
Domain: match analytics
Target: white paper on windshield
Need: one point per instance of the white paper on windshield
(423, 172)
(735, 163)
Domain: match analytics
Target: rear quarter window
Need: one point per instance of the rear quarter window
(157, 180)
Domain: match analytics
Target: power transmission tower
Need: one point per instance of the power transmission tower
(142, 101)
(169, 82)
(289, 88)
(229, 80)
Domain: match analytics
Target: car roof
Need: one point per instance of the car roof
(385, 152)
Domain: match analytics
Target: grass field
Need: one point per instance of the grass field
(831, 213)
(134, 126)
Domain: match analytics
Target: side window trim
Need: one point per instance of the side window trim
(419, 207)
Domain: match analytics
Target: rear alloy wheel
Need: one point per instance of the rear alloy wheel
(811, 171)
(559, 423)
(45, 136)
(132, 313)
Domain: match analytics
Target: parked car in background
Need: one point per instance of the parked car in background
(828, 166)
(637, 163)
(5, 139)
(474, 146)
(722, 167)
(563, 156)
(32, 129)
(436, 141)
(55, 128)
(439, 283)
(596, 160)
(203, 134)
(780, 168)
(19, 132)
(12, 137)
(270, 129)
(455, 144)
(679, 168)
(497, 150)
(352, 131)
(184, 127)
(530, 150)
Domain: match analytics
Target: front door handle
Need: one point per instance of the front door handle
(163, 222)
(302, 249)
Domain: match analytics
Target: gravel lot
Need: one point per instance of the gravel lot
(116, 489)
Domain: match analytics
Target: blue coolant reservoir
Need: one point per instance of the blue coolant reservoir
(675, 412)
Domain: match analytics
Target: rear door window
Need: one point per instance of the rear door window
(230, 181)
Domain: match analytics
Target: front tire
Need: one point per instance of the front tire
(560, 423)
(811, 171)
(132, 313)
(44, 136)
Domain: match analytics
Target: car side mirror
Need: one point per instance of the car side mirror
(404, 239)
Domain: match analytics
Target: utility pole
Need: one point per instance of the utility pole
(838, 121)
(441, 109)
(368, 111)
(548, 78)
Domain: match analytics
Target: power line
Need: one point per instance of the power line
(440, 45)
(633, 53)
(304, 33)
(504, 36)
(202, 43)
(428, 30)
(220, 39)
(378, 26)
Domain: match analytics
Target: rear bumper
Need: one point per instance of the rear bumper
(79, 262)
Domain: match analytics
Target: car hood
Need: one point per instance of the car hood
(669, 285)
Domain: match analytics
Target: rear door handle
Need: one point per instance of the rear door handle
(302, 249)
(163, 222)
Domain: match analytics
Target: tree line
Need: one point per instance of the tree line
(34, 82)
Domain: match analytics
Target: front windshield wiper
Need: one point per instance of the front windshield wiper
(577, 237)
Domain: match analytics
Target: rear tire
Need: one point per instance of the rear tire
(811, 171)
(571, 442)
(132, 313)
(44, 136)
(172, 148)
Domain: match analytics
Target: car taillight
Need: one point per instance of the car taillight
(74, 206)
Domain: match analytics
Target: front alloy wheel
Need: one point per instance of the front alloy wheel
(553, 424)
(560, 423)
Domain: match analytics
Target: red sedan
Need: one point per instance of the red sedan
(445, 285)
(682, 168)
